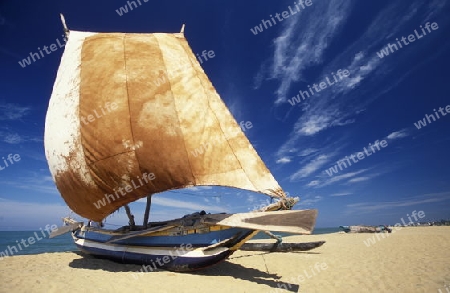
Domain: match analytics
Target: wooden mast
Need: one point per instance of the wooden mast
(130, 217)
(66, 29)
(147, 211)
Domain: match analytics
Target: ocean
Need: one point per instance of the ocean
(11, 243)
(20, 242)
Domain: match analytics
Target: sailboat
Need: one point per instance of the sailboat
(114, 136)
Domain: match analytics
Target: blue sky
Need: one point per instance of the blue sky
(256, 76)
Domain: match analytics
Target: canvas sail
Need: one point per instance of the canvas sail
(125, 105)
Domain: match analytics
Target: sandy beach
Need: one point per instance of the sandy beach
(414, 259)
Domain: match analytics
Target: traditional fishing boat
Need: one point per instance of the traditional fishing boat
(365, 229)
(113, 136)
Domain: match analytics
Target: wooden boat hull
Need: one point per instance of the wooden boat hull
(180, 256)
(155, 258)
(210, 238)
(163, 239)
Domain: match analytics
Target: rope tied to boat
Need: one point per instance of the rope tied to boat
(278, 238)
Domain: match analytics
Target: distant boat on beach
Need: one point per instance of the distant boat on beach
(365, 229)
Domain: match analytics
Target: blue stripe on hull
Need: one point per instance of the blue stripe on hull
(196, 240)
(152, 262)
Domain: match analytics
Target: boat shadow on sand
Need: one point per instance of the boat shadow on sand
(253, 275)
(225, 268)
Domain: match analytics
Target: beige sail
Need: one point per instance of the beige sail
(135, 114)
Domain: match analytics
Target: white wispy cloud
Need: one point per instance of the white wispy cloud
(372, 149)
(339, 104)
(10, 111)
(398, 134)
(307, 152)
(13, 138)
(364, 207)
(339, 178)
(308, 201)
(313, 183)
(283, 160)
(341, 194)
(359, 179)
(313, 125)
(310, 168)
(298, 49)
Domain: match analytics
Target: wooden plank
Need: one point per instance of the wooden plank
(219, 244)
(281, 247)
(64, 229)
(297, 222)
(140, 233)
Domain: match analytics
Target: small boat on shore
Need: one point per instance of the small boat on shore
(365, 229)
(281, 247)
